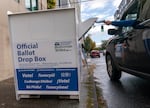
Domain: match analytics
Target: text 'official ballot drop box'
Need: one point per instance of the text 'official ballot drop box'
(45, 52)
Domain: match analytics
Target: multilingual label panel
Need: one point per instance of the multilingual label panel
(55, 79)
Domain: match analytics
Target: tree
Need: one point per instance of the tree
(51, 4)
(103, 45)
(89, 44)
(93, 45)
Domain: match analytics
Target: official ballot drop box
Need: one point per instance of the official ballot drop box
(45, 52)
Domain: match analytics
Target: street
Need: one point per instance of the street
(129, 92)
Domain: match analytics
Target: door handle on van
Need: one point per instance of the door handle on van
(130, 36)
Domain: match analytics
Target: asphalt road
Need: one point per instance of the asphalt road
(129, 92)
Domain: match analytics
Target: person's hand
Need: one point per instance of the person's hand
(107, 22)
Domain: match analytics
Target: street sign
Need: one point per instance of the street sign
(45, 52)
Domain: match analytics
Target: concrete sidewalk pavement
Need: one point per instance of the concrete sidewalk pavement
(8, 99)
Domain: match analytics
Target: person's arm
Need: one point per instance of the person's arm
(122, 23)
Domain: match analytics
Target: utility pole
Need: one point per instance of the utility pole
(31, 5)
(59, 3)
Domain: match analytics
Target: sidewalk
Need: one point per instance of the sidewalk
(87, 100)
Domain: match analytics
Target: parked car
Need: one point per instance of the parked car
(95, 53)
(129, 49)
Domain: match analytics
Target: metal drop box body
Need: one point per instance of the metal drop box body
(45, 52)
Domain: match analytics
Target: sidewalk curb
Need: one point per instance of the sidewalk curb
(91, 88)
(97, 96)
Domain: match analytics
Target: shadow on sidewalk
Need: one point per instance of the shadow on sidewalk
(87, 98)
(8, 99)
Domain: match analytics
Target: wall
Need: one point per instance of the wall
(6, 66)
(5, 51)
(42, 4)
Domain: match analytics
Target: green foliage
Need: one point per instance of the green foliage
(93, 45)
(89, 44)
(103, 45)
(51, 4)
(97, 48)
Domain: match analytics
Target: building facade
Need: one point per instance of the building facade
(13, 6)
(32, 5)
(122, 7)
(70, 3)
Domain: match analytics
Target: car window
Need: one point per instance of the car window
(132, 14)
(129, 17)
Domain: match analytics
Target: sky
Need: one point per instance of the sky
(103, 10)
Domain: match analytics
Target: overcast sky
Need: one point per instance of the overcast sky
(103, 10)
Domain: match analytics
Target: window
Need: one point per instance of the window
(132, 14)
(31, 4)
(64, 3)
(17, 1)
(129, 17)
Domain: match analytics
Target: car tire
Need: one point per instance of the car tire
(113, 72)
